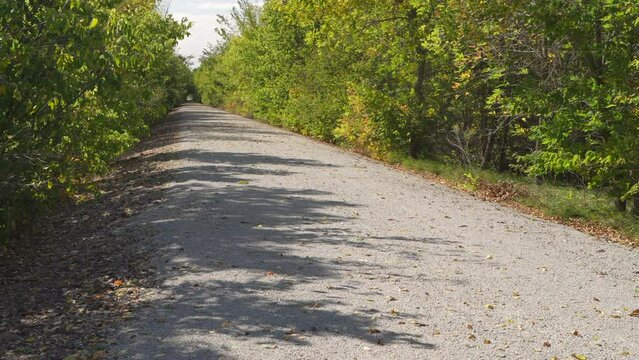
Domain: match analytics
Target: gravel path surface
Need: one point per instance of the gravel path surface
(274, 246)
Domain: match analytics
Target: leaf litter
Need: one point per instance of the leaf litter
(80, 270)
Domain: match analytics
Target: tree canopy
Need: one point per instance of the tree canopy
(544, 88)
(80, 82)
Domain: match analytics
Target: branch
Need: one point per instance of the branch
(379, 21)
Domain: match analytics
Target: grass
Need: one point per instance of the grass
(587, 210)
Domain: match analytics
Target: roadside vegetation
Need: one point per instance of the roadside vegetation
(538, 97)
(80, 82)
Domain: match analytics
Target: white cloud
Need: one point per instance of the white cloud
(202, 33)
(217, 5)
(203, 15)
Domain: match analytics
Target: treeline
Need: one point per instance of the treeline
(80, 82)
(544, 88)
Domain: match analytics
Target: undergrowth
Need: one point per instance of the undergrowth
(593, 210)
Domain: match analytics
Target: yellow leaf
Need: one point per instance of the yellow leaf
(94, 23)
(580, 356)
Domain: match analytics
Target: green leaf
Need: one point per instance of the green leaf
(94, 23)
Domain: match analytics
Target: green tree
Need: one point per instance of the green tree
(80, 82)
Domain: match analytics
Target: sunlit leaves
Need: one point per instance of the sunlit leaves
(94, 23)
(545, 88)
(79, 83)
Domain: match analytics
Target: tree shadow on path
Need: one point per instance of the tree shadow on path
(246, 262)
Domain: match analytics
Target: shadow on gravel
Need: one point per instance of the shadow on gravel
(236, 159)
(59, 296)
(246, 229)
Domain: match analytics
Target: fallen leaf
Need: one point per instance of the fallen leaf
(546, 344)
(490, 306)
(580, 356)
(269, 273)
(243, 182)
(394, 312)
(576, 333)
(487, 342)
(99, 355)
(374, 331)
(73, 357)
(635, 313)
(380, 342)
(472, 337)
(118, 282)
(392, 299)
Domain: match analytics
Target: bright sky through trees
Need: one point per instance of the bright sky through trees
(203, 14)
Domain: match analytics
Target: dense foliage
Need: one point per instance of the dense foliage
(546, 88)
(80, 81)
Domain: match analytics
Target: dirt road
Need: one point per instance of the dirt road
(274, 246)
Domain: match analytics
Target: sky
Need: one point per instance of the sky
(203, 15)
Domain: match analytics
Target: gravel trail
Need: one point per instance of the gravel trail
(275, 246)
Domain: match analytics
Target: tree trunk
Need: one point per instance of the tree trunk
(503, 148)
(620, 205)
(416, 133)
(416, 146)
(487, 156)
(635, 205)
